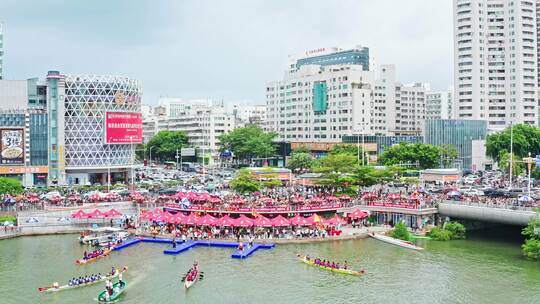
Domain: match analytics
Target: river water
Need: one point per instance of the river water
(477, 270)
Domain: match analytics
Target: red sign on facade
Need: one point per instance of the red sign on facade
(123, 128)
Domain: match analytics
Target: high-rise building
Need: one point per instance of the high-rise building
(331, 56)
(495, 61)
(326, 102)
(203, 121)
(246, 114)
(1, 51)
(439, 105)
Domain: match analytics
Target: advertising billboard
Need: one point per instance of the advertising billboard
(123, 128)
(12, 146)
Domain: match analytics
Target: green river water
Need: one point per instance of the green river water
(476, 270)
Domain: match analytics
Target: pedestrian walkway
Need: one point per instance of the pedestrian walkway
(184, 246)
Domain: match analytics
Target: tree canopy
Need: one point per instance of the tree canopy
(300, 161)
(424, 155)
(343, 163)
(526, 138)
(244, 182)
(10, 186)
(165, 144)
(249, 142)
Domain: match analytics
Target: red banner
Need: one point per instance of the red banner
(404, 206)
(259, 210)
(123, 128)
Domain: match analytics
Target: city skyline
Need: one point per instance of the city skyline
(221, 52)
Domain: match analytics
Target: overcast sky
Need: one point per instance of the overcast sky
(224, 50)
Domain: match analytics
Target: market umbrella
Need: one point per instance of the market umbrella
(79, 214)
(280, 221)
(525, 198)
(331, 198)
(177, 218)
(262, 221)
(225, 220)
(369, 196)
(214, 200)
(243, 221)
(357, 214)
(113, 213)
(414, 196)
(316, 199)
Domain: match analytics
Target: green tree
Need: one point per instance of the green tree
(244, 182)
(531, 247)
(300, 161)
(425, 155)
(249, 142)
(504, 163)
(449, 153)
(401, 232)
(343, 163)
(165, 143)
(366, 176)
(526, 138)
(10, 186)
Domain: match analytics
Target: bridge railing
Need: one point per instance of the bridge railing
(497, 205)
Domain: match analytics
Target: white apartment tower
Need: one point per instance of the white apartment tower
(439, 105)
(496, 61)
(331, 93)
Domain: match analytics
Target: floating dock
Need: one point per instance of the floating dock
(184, 246)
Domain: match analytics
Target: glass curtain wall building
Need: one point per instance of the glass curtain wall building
(458, 133)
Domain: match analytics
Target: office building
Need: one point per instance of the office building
(439, 105)
(246, 114)
(1, 51)
(495, 61)
(94, 124)
(458, 133)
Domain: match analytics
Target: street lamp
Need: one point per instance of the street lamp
(150, 157)
(529, 161)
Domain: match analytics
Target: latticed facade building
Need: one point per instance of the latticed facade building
(83, 152)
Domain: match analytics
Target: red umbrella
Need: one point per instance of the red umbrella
(345, 197)
(207, 220)
(262, 221)
(357, 214)
(335, 221)
(243, 221)
(316, 200)
(393, 196)
(191, 219)
(299, 220)
(113, 213)
(331, 198)
(33, 199)
(146, 215)
(79, 214)
(369, 196)
(95, 214)
(414, 196)
(225, 220)
(280, 221)
(214, 200)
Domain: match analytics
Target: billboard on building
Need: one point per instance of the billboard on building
(12, 146)
(123, 128)
(187, 151)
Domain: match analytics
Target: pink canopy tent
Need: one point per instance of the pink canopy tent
(280, 221)
(414, 196)
(262, 221)
(113, 213)
(335, 221)
(214, 200)
(95, 214)
(207, 220)
(299, 220)
(191, 219)
(33, 199)
(316, 200)
(79, 214)
(177, 218)
(243, 221)
(225, 220)
(357, 214)
(314, 219)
